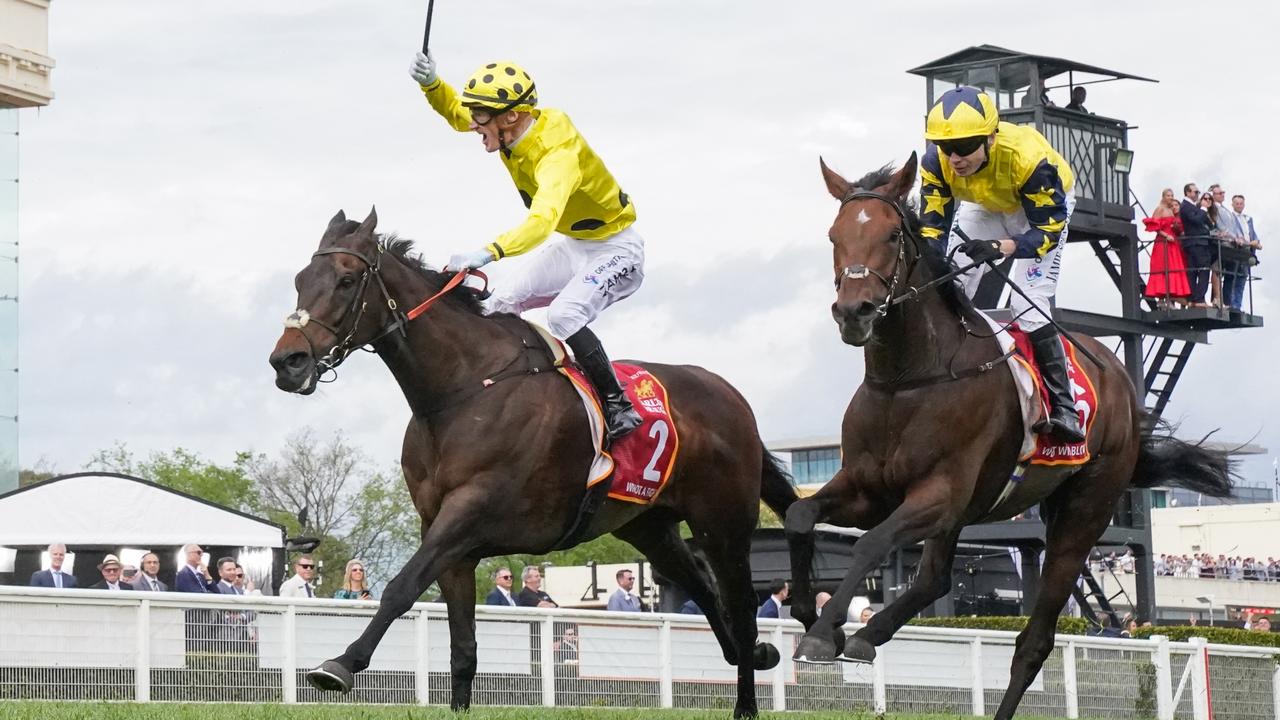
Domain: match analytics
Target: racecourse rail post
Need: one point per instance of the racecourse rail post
(142, 670)
(665, 698)
(422, 670)
(289, 666)
(1200, 707)
(1164, 678)
(779, 671)
(1070, 689)
(548, 663)
(975, 665)
(879, 697)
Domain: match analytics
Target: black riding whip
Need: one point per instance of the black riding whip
(1047, 314)
(426, 34)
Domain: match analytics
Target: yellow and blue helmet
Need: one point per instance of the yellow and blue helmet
(500, 86)
(963, 112)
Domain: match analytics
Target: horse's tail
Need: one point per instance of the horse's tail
(1165, 460)
(776, 489)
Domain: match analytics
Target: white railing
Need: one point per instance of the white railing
(71, 645)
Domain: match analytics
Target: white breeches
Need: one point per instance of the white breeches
(1037, 277)
(575, 280)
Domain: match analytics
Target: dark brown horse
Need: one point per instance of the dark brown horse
(929, 440)
(496, 433)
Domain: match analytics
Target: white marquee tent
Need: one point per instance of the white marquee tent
(107, 509)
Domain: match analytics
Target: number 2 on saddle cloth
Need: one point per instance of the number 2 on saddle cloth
(1047, 450)
(639, 463)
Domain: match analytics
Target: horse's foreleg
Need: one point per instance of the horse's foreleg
(446, 542)
(932, 582)
(801, 517)
(729, 556)
(458, 585)
(918, 518)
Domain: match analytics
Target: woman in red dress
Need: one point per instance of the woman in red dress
(1167, 281)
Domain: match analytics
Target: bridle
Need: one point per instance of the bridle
(901, 234)
(300, 318)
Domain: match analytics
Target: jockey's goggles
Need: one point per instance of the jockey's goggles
(961, 146)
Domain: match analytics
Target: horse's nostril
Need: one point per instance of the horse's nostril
(296, 361)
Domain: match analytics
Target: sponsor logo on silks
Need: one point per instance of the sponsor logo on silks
(591, 279)
(645, 389)
(616, 278)
(1034, 271)
(654, 404)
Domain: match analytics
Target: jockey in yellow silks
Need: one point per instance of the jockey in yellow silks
(598, 257)
(1007, 188)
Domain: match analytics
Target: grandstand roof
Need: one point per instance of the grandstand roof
(111, 509)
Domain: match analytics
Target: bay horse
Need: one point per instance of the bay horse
(498, 448)
(930, 439)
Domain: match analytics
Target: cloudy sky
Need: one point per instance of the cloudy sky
(194, 153)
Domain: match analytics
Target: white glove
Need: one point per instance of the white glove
(470, 260)
(423, 69)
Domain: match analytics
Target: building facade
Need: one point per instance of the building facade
(25, 82)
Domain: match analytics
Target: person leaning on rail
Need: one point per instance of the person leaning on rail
(599, 258)
(1007, 188)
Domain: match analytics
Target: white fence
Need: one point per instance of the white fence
(72, 645)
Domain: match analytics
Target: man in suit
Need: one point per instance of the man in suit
(779, 591)
(1198, 243)
(531, 595)
(194, 576)
(304, 569)
(146, 578)
(110, 568)
(54, 577)
(501, 592)
(622, 599)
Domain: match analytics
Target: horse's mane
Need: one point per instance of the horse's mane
(935, 263)
(401, 248)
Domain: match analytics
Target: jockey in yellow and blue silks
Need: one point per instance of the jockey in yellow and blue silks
(1007, 188)
(598, 257)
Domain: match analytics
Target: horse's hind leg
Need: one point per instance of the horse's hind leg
(458, 586)
(659, 539)
(1076, 516)
(731, 613)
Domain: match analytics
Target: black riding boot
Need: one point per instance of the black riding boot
(1064, 421)
(620, 418)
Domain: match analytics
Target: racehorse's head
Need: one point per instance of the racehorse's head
(869, 246)
(339, 308)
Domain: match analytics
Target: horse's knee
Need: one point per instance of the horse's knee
(801, 517)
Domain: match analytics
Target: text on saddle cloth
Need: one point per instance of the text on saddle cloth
(641, 461)
(1047, 450)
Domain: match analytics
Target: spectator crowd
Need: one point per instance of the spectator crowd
(1195, 565)
(1203, 251)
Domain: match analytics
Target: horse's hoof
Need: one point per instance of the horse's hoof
(766, 656)
(331, 677)
(815, 650)
(859, 650)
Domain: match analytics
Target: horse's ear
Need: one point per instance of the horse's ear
(903, 181)
(836, 185)
(370, 223)
(338, 219)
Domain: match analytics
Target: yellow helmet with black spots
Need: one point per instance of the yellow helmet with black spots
(963, 112)
(500, 86)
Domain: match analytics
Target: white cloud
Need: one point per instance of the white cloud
(194, 154)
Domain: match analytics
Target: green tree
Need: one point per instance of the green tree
(184, 471)
(326, 489)
(604, 550)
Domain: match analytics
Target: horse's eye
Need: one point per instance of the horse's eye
(346, 281)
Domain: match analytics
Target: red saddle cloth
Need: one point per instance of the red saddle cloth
(644, 457)
(1050, 451)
